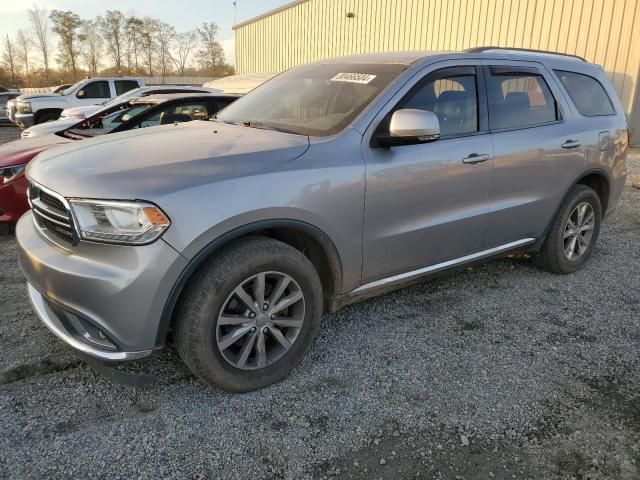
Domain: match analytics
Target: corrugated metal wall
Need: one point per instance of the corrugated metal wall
(602, 31)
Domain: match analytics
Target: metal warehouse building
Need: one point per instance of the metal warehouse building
(602, 31)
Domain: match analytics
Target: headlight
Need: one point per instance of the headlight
(24, 107)
(107, 221)
(9, 174)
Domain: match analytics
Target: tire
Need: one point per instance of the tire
(200, 332)
(47, 117)
(552, 256)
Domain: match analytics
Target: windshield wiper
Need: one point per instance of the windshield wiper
(263, 126)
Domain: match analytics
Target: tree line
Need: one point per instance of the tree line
(111, 44)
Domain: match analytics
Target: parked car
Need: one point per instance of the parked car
(239, 84)
(72, 116)
(332, 182)
(139, 113)
(36, 108)
(4, 111)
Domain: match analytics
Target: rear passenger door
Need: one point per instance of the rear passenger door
(538, 149)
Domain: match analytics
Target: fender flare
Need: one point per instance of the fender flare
(199, 258)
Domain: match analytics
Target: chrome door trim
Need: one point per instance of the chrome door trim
(441, 266)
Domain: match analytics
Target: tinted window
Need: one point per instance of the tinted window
(453, 99)
(96, 90)
(123, 86)
(519, 100)
(587, 94)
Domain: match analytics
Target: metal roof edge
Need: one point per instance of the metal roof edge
(286, 6)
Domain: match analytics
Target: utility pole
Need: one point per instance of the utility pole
(235, 12)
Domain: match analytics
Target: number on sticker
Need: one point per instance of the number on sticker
(353, 77)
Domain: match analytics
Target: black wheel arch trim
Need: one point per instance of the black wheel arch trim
(594, 170)
(199, 258)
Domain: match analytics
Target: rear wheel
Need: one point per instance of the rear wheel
(573, 234)
(250, 315)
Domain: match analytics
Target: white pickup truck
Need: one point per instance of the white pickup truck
(36, 108)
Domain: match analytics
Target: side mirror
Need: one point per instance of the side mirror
(80, 94)
(411, 126)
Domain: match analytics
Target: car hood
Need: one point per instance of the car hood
(84, 109)
(22, 151)
(31, 96)
(51, 127)
(147, 164)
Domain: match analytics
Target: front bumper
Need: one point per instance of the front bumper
(25, 120)
(13, 200)
(115, 291)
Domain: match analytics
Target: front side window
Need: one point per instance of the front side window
(519, 100)
(587, 94)
(176, 113)
(98, 89)
(453, 98)
(316, 99)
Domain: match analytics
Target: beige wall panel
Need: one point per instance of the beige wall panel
(602, 31)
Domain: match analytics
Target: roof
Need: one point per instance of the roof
(269, 13)
(165, 97)
(239, 84)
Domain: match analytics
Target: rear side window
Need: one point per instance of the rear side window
(519, 100)
(123, 86)
(587, 94)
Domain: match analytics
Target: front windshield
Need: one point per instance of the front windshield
(109, 120)
(317, 99)
(69, 90)
(129, 95)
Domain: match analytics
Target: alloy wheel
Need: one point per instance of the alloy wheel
(260, 320)
(578, 231)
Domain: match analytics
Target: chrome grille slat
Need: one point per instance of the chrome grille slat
(51, 215)
(44, 215)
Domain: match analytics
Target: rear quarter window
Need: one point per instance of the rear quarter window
(587, 94)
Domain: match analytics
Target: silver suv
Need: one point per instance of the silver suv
(332, 182)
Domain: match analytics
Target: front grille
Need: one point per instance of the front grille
(51, 215)
(52, 201)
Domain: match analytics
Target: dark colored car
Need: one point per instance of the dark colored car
(141, 113)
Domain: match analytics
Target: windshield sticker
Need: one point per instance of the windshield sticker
(353, 77)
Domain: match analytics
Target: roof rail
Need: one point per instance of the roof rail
(524, 50)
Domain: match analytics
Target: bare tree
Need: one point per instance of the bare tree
(133, 28)
(23, 49)
(148, 40)
(211, 53)
(9, 58)
(91, 46)
(184, 44)
(39, 19)
(112, 27)
(164, 36)
(67, 26)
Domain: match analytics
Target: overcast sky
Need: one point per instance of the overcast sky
(182, 14)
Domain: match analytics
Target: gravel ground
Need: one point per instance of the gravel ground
(499, 371)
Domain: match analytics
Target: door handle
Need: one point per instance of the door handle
(571, 144)
(476, 158)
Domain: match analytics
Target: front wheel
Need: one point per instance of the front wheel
(250, 315)
(573, 234)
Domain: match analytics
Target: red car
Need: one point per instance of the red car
(143, 112)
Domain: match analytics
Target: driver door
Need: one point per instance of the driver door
(94, 93)
(428, 203)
